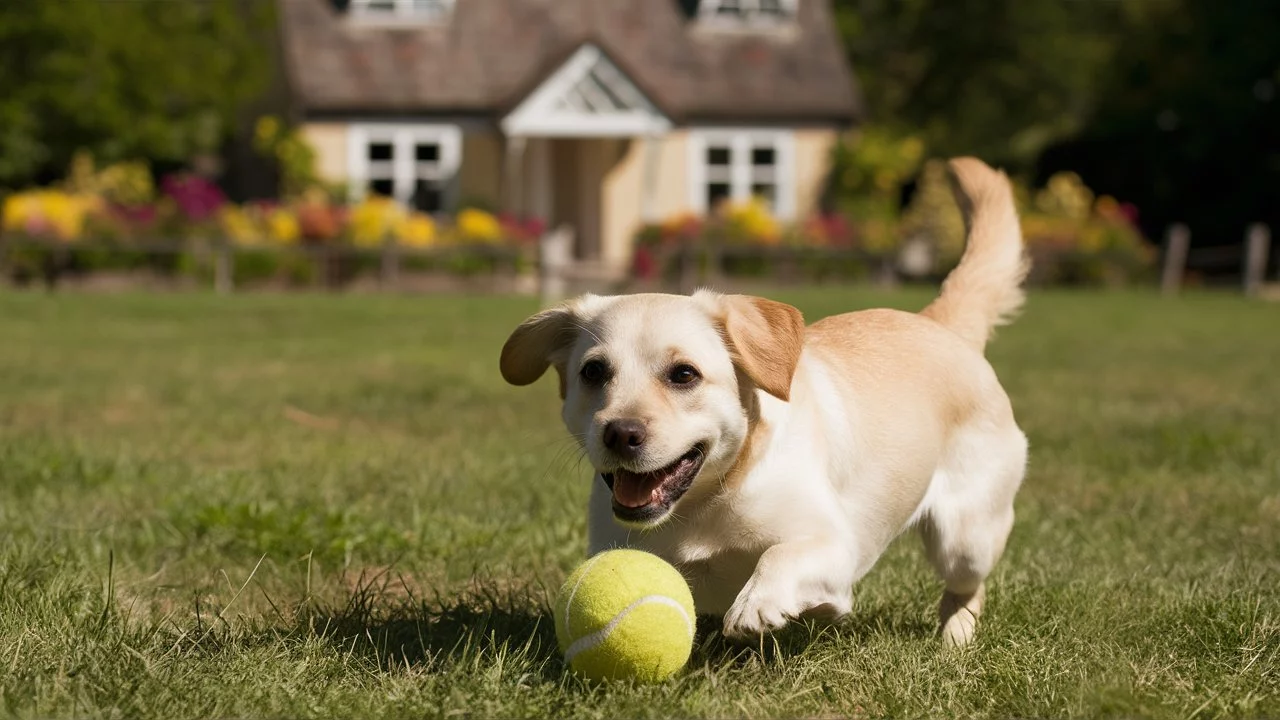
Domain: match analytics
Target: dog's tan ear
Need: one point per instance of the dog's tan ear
(766, 338)
(536, 344)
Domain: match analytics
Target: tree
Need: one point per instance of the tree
(1188, 120)
(998, 78)
(144, 79)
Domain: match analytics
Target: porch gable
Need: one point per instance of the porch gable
(587, 96)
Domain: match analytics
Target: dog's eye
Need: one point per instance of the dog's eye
(593, 372)
(683, 375)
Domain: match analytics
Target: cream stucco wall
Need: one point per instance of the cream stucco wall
(608, 174)
(623, 196)
(480, 177)
(330, 143)
(813, 163)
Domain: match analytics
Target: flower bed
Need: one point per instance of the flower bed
(1072, 238)
(113, 221)
(744, 241)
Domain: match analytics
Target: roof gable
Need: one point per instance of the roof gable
(587, 96)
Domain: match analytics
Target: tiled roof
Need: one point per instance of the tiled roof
(491, 53)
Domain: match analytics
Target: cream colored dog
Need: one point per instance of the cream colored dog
(774, 463)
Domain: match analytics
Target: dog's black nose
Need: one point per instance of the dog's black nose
(625, 437)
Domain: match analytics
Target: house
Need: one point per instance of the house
(598, 114)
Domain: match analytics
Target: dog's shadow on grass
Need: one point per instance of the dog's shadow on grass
(488, 624)
(473, 629)
(803, 636)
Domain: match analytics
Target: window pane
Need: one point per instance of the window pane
(427, 153)
(430, 7)
(729, 7)
(771, 7)
(762, 156)
(384, 187)
(716, 192)
(380, 5)
(381, 151)
(427, 197)
(767, 192)
(717, 156)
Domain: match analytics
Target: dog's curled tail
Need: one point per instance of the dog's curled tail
(985, 289)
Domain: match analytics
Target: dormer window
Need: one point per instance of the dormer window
(401, 10)
(747, 11)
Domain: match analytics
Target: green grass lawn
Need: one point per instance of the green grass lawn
(332, 506)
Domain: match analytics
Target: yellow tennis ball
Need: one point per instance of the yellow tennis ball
(625, 614)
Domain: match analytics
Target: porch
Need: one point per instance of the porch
(583, 151)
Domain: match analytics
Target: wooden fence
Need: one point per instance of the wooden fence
(548, 266)
(1249, 256)
(329, 266)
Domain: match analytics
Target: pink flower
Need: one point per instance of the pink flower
(642, 265)
(197, 199)
(1130, 212)
(140, 215)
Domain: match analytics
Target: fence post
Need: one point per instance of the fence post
(1257, 244)
(688, 280)
(555, 253)
(390, 264)
(1176, 244)
(713, 270)
(223, 268)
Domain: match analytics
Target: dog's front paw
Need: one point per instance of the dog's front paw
(756, 613)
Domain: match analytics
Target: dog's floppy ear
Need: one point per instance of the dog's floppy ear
(536, 343)
(765, 338)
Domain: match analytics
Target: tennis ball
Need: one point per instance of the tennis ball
(625, 614)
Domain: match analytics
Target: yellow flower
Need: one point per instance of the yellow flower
(752, 218)
(373, 220)
(127, 183)
(282, 226)
(417, 230)
(49, 213)
(17, 208)
(1065, 196)
(239, 226)
(478, 225)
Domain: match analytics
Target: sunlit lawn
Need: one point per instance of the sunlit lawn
(332, 506)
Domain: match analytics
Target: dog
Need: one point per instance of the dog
(773, 463)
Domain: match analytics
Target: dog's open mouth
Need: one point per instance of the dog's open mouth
(645, 497)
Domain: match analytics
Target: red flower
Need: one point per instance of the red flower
(642, 264)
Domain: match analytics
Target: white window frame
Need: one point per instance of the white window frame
(404, 168)
(742, 173)
(401, 11)
(748, 12)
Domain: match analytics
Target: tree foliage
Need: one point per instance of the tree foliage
(1173, 104)
(997, 78)
(1188, 122)
(142, 79)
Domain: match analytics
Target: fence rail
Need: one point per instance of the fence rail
(548, 266)
(1250, 256)
(221, 263)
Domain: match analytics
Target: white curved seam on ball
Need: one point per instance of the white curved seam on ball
(569, 603)
(586, 642)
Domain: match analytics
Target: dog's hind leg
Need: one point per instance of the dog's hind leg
(968, 522)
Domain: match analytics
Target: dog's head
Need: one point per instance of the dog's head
(659, 389)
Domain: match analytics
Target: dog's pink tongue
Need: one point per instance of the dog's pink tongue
(632, 490)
